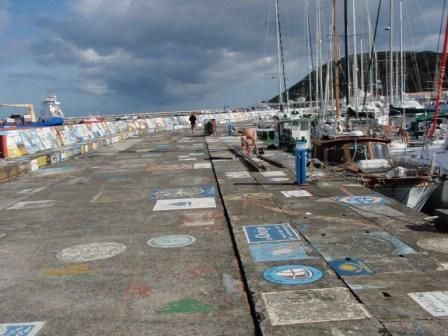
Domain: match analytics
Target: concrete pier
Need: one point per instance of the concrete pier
(172, 234)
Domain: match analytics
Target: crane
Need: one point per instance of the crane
(28, 107)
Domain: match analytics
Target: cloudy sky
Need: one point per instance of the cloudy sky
(118, 56)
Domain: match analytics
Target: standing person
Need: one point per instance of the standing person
(249, 135)
(192, 122)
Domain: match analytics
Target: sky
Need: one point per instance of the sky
(127, 56)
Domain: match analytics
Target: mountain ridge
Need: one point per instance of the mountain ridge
(420, 73)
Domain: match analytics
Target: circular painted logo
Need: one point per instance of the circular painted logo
(434, 244)
(89, 252)
(292, 274)
(361, 200)
(171, 241)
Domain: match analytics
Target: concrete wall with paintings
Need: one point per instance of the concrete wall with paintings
(79, 138)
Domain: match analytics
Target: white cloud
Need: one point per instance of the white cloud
(95, 87)
(91, 56)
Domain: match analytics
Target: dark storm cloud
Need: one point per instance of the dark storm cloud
(174, 50)
(31, 76)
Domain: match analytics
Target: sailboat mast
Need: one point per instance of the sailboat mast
(355, 58)
(336, 62)
(402, 79)
(440, 82)
(347, 73)
(317, 73)
(363, 89)
(310, 54)
(279, 58)
(368, 86)
(391, 60)
(321, 87)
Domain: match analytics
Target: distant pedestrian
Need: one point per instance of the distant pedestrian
(192, 122)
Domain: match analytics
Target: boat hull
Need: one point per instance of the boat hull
(55, 121)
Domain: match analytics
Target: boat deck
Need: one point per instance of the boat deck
(173, 234)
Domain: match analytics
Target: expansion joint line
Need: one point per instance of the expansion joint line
(253, 311)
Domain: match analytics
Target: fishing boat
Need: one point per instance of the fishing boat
(92, 119)
(367, 159)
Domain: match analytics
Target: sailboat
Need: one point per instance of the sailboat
(435, 153)
(291, 124)
(363, 152)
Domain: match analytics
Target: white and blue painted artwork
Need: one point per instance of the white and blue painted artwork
(296, 193)
(361, 200)
(184, 192)
(293, 274)
(280, 251)
(185, 204)
(170, 241)
(270, 233)
(350, 267)
(21, 329)
(435, 303)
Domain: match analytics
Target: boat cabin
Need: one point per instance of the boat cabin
(356, 153)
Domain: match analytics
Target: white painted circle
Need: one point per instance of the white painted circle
(171, 241)
(90, 252)
(434, 244)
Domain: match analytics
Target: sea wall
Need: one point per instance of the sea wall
(62, 142)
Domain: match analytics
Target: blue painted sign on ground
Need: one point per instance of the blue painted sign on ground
(361, 200)
(279, 251)
(293, 274)
(270, 233)
(350, 267)
(184, 192)
(21, 329)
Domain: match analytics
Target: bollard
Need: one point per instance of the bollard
(301, 160)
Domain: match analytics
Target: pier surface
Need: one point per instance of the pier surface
(173, 234)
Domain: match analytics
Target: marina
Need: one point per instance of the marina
(130, 239)
(318, 210)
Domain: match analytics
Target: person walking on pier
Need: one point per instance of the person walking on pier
(192, 122)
